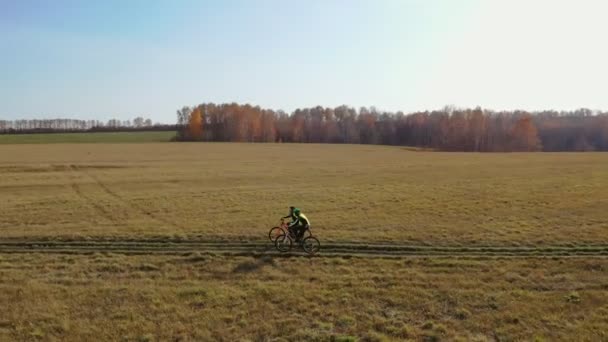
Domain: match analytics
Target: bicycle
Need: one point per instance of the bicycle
(275, 232)
(284, 242)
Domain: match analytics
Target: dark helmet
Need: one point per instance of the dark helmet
(296, 211)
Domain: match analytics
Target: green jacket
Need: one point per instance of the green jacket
(301, 220)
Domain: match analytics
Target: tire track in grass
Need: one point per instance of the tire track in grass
(129, 204)
(258, 248)
(103, 211)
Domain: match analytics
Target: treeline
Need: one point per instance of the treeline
(73, 125)
(449, 129)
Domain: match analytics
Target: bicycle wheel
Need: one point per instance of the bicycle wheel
(274, 233)
(311, 245)
(283, 243)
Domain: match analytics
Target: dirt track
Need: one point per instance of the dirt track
(257, 248)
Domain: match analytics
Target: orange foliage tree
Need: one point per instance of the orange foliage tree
(447, 129)
(195, 125)
(524, 135)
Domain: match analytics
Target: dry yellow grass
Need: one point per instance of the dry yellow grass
(154, 192)
(215, 298)
(353, 193)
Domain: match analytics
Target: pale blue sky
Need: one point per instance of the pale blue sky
(124, 58)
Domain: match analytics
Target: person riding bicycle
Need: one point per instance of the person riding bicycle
(300, 224)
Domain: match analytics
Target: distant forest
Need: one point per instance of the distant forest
(448, 129)
(74, 125)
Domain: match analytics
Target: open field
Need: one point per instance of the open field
(95, 137)
(370, 194)
(193, 297)
(156, 242)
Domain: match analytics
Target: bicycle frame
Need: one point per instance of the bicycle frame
(292, 234)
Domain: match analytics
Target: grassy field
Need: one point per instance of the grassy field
(167, 242)
(114, 297)
(97, 137)
(350, 193)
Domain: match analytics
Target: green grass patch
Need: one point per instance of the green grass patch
(93, 137)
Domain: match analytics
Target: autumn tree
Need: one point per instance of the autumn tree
(524, 136)
(449, 128)
(195, 125)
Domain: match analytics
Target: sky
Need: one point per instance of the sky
(125, 58)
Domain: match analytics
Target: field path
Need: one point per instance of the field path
(259, 248)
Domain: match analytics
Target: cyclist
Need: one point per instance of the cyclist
(300, 224)
(291, 215)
